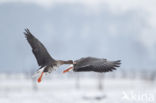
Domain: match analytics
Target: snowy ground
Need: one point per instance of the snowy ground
(22, 89)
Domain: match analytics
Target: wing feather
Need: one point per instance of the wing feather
(95, 64)
(40, 52)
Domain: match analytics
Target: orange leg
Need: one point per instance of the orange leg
(40, 78)
(67, 70)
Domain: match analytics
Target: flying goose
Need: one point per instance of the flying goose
(45, 61)
(87, 64)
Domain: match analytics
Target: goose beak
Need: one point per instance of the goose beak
(69, 69)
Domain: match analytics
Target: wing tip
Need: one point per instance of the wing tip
(116, 64)
(27, 32)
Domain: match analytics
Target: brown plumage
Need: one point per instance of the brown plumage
(44, 60)
(100, 65)
(48, 64)
(95, 64)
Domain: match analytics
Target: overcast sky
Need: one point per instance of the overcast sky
(113, 29)
(117, 6)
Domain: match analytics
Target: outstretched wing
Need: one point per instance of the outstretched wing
(95, 64)
(42, 56)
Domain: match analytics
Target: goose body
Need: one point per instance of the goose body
(45, 61)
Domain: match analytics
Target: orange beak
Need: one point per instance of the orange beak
(67, 70)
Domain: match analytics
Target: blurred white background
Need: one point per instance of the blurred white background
(71, 29)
